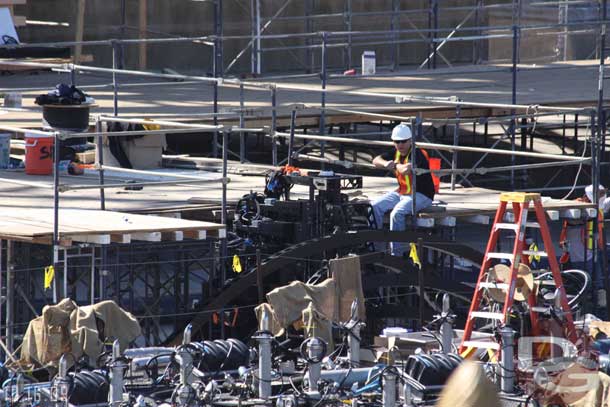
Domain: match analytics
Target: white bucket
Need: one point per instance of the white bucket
(369, 63)
(5, 150)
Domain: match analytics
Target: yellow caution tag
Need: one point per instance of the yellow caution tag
(236, 264)
(534, 248)
(49, 274)
(414, 256)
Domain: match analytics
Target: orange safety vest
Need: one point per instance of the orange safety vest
(405, 181)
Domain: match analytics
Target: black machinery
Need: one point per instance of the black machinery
(273, 217)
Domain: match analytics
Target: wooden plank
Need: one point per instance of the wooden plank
(172, 236)
(195, 234)
(96, 239)
(149, 237)
(80, 30)
(122, 238)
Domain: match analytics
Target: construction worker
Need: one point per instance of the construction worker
(576, 237)
(400, 201)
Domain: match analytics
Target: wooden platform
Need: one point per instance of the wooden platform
(99, 227)
(572, 83)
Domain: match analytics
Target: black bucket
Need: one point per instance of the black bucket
(67, 117)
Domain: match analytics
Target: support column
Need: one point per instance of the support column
(273, 125)
(242, 136)
(253, 31)
(394, 26)
(348, 27)
(562, 36)
(456, 142)
(323, 96)
(143, 33)
(309, 55)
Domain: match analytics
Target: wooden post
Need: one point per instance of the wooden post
(80, 29)
(143, 24)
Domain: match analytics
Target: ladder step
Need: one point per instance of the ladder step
(505, 256)
(481, 345)
(509, 226)
(515, 226)
(499, 286)
(535, 253)
(487, 315)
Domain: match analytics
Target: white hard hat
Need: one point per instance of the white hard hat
(589, 191)
(401, 132)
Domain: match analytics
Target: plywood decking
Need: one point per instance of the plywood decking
(100, 227)
(572, 83)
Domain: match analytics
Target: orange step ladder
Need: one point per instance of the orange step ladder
(521, 204)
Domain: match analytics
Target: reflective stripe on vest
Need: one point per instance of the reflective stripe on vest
(600, 229)
(404, 181)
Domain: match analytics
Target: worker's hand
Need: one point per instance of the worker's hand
(403, 169)
(390, 165)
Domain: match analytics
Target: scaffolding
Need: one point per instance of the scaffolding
(521, 121)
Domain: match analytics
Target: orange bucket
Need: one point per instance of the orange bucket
(38, 154)
(435, 164)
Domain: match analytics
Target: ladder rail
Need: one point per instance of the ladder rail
(548, 244)
(478, 294)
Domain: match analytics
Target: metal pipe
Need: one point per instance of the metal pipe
(100, 161)
(415, 129)
(507, 379)
(150, 122)
(456, 142)
(56, 158)
(264, 339)
(442, 147)
(258, 37)
(117, 367)
(514, 101)
(225, 150)
(92, 271)
(446, 328)
(293, 117)
(323, 96)
(10, 295)
(65, 188)
(65, 276)
(273, 125)
(115, 88)
(242, 124)
(388, 397)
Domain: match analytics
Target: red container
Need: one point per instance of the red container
(38, 154)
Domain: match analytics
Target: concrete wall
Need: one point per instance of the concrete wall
(171, 18)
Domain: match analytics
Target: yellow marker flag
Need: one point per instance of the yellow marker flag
(236, 264)
(49, 274)
(414, 256)
(534, 248)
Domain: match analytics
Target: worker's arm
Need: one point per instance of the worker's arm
(380, 162)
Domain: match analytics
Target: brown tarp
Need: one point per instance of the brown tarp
(68, 328)
(332, 300)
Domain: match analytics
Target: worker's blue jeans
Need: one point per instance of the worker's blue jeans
(401, 206)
